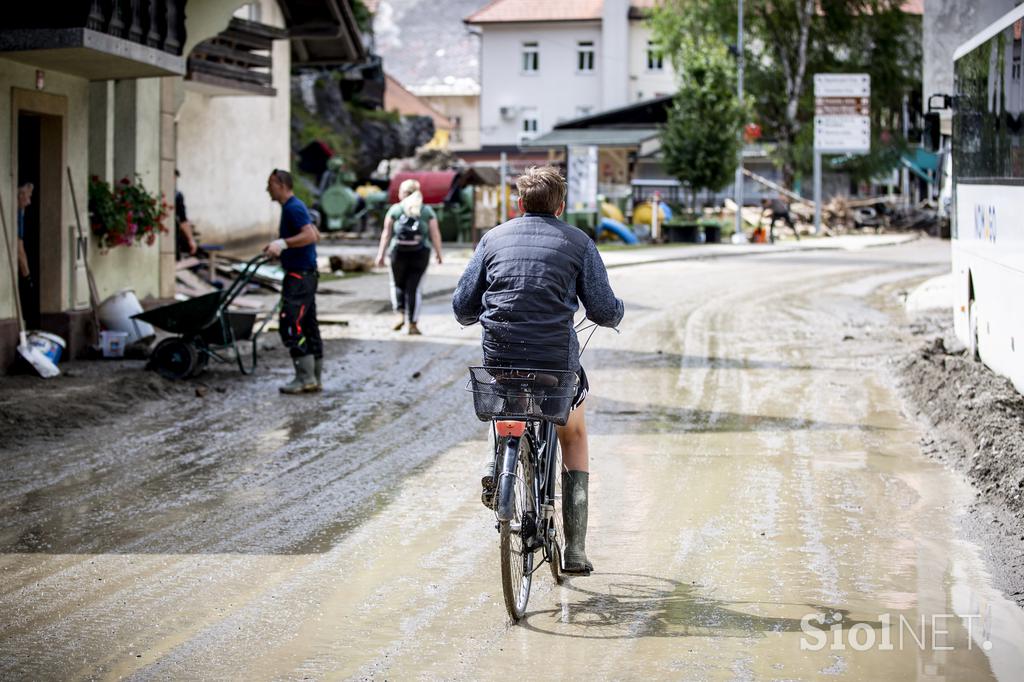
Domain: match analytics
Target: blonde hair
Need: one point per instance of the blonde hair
(542, 189)
(410, 197)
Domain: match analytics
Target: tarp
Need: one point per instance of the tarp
(433, 184)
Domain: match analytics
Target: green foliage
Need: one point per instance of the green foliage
(701, 139)
(126, 214)
(363, 16)
(852, 36)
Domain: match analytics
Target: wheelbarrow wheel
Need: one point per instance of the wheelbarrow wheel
(175, 358)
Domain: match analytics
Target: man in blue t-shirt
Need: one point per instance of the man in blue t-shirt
(296, 247)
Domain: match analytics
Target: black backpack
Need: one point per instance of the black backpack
(408, 234)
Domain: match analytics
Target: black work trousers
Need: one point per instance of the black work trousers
(299, 329)
(407, 270)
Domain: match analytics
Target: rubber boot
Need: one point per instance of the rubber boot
(489, 482)
(305, 376)
(318, 373)
(574, 519)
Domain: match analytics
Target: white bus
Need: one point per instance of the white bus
(988, 196)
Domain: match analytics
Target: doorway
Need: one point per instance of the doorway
(39, 159)
(29, 161)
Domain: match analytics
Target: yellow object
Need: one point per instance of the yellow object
(609, 210)
(367, 189)
(642, 214)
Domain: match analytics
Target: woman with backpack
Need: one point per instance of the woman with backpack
(410, 230)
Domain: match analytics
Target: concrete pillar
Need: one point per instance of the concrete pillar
(615, 54)
(101, 130)
(168, 157)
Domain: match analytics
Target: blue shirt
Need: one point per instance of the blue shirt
(21, 224)
(294, 217)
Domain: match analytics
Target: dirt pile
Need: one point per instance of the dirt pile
(976, 417)
(86, 394)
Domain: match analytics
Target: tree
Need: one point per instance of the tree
(788, 41)
(701, 139)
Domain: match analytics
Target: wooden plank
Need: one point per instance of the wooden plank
(211, 49)
(230, 71)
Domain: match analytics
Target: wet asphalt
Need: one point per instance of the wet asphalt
(752, 470)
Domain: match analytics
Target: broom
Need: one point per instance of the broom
(32, 355)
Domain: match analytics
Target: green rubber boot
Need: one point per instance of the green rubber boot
(305, 377)
(574, 519)
(318, 373)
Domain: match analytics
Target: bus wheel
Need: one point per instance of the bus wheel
(972, 323)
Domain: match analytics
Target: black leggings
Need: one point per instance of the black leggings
(407, 269)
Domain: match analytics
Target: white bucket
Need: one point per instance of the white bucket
(50, 345)
(116, 312)
(113, 343)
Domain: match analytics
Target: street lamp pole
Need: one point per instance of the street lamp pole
(738, 234)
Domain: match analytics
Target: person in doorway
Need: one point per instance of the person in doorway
(410, 231)
(184, 235)
(296, 248)
(524, 284)
(26, 285)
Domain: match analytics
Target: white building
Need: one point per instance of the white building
(544, 63)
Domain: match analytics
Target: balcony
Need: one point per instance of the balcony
(237, 61)
(97, 39)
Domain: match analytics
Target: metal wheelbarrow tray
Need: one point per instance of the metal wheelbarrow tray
(205, 327)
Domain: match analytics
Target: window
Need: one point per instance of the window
(528, 123)
(655, 57)
(988, 121)
(456, 123)
(585, 56)
(531, 57)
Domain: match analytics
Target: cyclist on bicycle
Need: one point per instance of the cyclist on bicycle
(524, 284)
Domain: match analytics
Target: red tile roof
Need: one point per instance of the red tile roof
(498, 11)
(397, 98)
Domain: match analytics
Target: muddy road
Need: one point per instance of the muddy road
(751, 467)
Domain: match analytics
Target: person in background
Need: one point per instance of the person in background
(26, 285)
(780, 211)
(410, 231)
(296, 247)
(184, 237)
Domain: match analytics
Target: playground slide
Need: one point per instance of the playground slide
(619, 230)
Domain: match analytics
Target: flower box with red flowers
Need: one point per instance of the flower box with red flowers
(126, 214)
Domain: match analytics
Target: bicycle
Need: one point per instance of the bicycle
(524, 406)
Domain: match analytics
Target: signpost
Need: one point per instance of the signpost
(842, 123)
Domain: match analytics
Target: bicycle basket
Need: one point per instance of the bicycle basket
(513, 393)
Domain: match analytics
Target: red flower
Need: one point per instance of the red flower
(125, 181)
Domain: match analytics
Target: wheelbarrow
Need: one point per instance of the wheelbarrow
(205, 329)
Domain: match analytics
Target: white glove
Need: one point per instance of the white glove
(274, 248)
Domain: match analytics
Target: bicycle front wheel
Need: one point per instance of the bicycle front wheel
(517, 534)
(558, 541)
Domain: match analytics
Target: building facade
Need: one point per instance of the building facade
(122, 90)
(541, 65)
(459, 101)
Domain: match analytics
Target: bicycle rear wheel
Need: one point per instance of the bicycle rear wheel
(516, 534)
